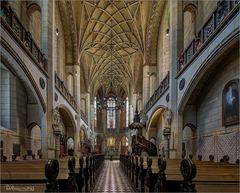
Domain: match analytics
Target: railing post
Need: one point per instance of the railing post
(80, 179)
(188, 171)
(90, 171)
(161, 182)
(86, 173)
(72, 184)
(142, 175)
(136, 172)
(132, 170)
(51, 173)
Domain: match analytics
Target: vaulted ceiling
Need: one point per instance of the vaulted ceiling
(111, 41)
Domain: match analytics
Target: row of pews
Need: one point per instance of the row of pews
(157, 174)
(59, 175)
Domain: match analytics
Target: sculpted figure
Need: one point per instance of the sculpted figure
(167, 115)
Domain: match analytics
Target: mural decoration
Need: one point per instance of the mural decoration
(230, 102)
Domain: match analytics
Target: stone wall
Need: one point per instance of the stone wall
(204, 10)
(32, 21)
(211, 137)
(163, 45)
(209, 107)
(60, 44)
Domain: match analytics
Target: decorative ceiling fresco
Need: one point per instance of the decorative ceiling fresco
(111, 41)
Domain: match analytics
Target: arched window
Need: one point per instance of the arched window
(34, 13)
(95, 112)
(111, 113)
(189, 24)
(127, 112)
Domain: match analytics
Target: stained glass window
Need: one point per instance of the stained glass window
(95, 112)
(111, 113)
(127, 112)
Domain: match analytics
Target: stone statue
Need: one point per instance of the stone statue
(167, 115)
(56, 120)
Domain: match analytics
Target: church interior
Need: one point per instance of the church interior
(119, 95)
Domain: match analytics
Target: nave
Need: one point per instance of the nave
(112, 179)
(153, 84)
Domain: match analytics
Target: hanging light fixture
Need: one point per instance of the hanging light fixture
(167, 32)
(57, 33)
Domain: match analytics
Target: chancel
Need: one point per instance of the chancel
(119, 96)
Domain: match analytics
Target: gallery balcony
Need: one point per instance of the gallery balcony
(158, 94)
(11, 24)
(224, 12)
(84, 117)
(66, 95)
(217, 34)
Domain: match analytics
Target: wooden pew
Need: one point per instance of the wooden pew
(174, 175)
(31, 174)
(209, 177)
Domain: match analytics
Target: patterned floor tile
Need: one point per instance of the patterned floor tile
(112, 179)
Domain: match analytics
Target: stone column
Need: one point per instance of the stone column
(47, 42)
(146, 81)
(117, 119)
(176, 42)
(148, 71)
(88, 110)
(91, 116)
(77, 96)
(134, 102)
(57, 144)
(77, 140)
(152, 83)
(104, 120)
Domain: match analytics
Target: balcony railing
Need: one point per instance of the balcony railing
(158, 92)
(224, 9)
(84, 117)
(14, 26)
(64, 91)
(123, 130)
(111, 130)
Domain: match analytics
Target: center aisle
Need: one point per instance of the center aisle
(112, 179)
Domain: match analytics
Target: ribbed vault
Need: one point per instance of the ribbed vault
(111, 38)
(111, 35)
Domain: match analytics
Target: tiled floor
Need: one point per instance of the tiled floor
(112, 179)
